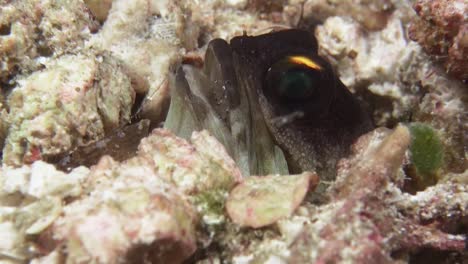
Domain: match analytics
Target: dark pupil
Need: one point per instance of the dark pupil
(295, 84)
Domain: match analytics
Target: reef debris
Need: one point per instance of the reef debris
(263, 200)
(74, 100)
(368, 219)
(442, 30)
(30, 30)
(50, 216)
(135, 210)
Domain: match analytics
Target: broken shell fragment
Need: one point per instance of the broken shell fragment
(261, 201)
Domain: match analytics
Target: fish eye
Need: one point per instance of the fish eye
(294, 79)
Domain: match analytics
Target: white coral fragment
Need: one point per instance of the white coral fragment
(10, 237)
(373, 56)
(41, 180)
(46, 180)
(385, 59)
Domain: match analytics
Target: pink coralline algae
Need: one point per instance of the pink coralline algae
(442, 30)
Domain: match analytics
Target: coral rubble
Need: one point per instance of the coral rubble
(77, 72)
(260, 201)
(132, 210)
(75, 99)
(33, 29)
(442, 29)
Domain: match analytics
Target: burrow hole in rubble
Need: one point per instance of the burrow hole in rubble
(136, 107)
(379, 106)
(5, 30)
(45, 51)
(162, 251)
(42, 47)
(427, 255)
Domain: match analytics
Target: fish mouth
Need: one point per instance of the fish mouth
(213, 98)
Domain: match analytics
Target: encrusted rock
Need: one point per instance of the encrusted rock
(135, 217)
(147, 37)
(375, 65)
(371, 14)
(154, 184)
(442, 30)
(193, 168)
(139, 210)
(75, 99)
(31, 29)
(363, 221)
(20, 217)
(397, 80)
(218, 19)
(434, 204)
(444, 107)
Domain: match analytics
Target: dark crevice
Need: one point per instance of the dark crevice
(42, 48)
(428, 255)
(136, 107)
(57, 26)
(378, 106)
(266, 6)
(212, 251)
(203, 38)
(44, 51)
(163, 251)
(5, 30)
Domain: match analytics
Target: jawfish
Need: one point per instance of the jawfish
(275, 104)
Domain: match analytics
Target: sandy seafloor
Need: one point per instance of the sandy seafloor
(74, 74)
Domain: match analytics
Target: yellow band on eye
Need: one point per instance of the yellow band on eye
(305, 61)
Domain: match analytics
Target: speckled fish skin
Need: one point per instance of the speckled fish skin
(232, 84)
(329, 125)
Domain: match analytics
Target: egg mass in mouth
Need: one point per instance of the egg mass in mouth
(275, 104)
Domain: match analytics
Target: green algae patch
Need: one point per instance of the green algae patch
(261, 201)
(211, 205)
(426, 153)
